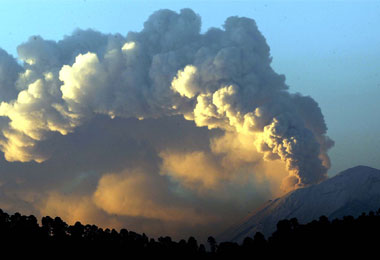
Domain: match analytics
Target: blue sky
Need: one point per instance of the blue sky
(329, 50)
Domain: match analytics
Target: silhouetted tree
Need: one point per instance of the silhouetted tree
(54, 237)
(212, 242)
(192, 245)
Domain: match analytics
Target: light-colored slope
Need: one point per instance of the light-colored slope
(351, 192)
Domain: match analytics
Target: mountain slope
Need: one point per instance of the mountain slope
(351, 192)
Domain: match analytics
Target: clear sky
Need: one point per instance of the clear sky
(326, 49)
(164, 174)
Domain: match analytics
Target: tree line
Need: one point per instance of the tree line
(348, 235)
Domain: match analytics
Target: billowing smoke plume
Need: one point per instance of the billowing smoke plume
(220, 79)
(163, 131)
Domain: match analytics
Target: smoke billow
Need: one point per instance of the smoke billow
(220, 80)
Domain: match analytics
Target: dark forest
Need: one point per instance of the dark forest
(24, 236)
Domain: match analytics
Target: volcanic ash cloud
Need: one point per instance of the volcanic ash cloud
(220, 79)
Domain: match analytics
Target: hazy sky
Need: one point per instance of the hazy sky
(181, 177)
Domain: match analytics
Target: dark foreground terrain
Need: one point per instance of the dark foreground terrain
(22, 235)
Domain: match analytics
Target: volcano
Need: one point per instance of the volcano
(351, 192)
